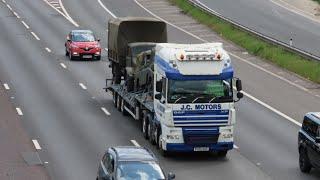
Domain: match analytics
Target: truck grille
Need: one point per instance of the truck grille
(200, 118)
(200, 136)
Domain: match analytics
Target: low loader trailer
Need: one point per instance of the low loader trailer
(183, 96)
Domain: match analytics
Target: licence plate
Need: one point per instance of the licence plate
(201, 149)
(87, 56)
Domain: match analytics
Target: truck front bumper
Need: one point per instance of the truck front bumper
(177, 147)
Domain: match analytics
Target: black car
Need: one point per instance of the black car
(309, 142)
(130, 163)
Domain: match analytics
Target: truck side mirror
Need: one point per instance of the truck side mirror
(239, 95)
(159, 86)
(239, 85)
(171, 176)
(158, 96)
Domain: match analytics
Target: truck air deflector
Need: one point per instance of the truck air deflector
(172, 73)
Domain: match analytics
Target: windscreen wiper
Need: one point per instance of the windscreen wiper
(182, 97)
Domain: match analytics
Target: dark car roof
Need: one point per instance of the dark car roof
(314, 116)
(133, 153)
(81, 31)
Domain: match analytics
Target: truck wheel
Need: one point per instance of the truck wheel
(123, 110)
(145, 125)
(151, 134)
(119, 99)
(163, 152)
(304, 163)
(222, 153)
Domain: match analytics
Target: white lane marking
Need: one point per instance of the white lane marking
(46, 162)
(9, 7)
(246, 94)
(16, 14)
(19, 111)
(63, 65)
(69, 19)
(273, 109)
(25, 24)
(6, 86)
(3, 1)
(67, 14)
(106, 49)
(105, 8)
(105, 111)
(49, 50)
(134, 142)
(36, 144)
(296, 10)
(35, 36)
(82, 86)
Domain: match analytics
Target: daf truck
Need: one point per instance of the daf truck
(186, 102)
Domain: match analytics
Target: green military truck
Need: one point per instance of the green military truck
(128, 37)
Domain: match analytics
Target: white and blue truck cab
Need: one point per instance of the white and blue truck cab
(191, 105)
(194, 100)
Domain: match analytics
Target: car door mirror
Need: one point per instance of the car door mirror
(171, 176)
(158, 96)
(98, 40)
(239, 85)
(159, 86)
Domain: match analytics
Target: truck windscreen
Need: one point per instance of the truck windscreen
(200, 91)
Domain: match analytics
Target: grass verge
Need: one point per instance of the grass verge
(276, 54)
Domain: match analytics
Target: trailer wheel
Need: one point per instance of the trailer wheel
(115, 98)
(145, 125)
(123, 110)
(119, 99)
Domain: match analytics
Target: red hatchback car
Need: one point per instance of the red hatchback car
(82, 44)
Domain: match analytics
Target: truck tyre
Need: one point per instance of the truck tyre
(123, 110)
(222, 153)
(163, 152)
(151, 134)
(114, 98)
(145, 125)
(119, 100)
(304, 162)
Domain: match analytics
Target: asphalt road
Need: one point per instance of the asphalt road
(272, 20)
(72, 129)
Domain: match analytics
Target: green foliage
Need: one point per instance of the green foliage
(254, 45)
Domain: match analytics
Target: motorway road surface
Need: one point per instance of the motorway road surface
(270, 19)
(73, 131)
